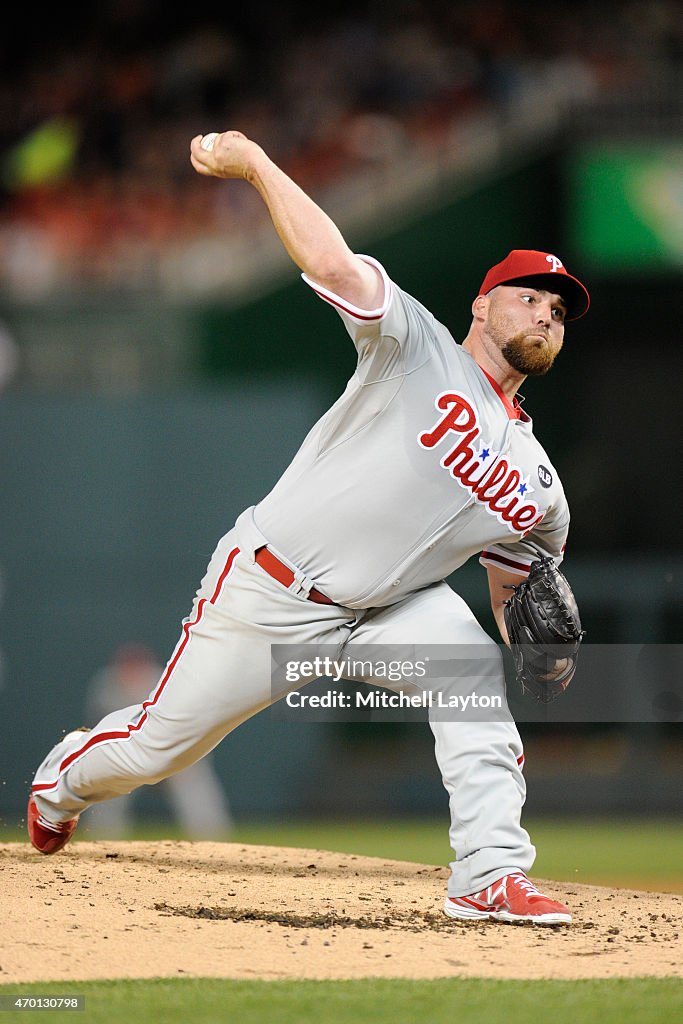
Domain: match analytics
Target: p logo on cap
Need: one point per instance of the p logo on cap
(541, 269)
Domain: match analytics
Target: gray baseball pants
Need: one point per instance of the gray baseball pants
(219, 675)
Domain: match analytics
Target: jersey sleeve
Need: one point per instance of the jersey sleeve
(400, 322)
(548, 538)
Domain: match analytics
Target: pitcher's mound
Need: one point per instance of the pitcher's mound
(226, 910)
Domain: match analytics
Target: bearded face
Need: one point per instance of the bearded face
(530, 355)
(528, 337)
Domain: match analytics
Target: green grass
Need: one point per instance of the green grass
(645, 854)
(638, 853)
(381, 1001)
(635, 854)
(602, 852)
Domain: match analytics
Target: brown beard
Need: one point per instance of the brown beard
(528, 356)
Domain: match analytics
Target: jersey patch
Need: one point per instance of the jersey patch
(491, 479)
(545, 476)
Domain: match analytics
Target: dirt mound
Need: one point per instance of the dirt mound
(173, 909)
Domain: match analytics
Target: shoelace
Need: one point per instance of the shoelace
(524, 883)
(494, 892)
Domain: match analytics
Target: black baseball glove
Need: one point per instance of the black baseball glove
(544, 628)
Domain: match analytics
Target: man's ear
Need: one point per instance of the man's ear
(480, 307)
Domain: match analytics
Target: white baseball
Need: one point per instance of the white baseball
(209, 140)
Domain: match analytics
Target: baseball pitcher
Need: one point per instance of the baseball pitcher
(425, 460)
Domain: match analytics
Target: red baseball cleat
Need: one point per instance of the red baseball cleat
(47, 836)
(514, 899)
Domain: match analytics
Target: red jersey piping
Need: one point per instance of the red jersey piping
(512, 408)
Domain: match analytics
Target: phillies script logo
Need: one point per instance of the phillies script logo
(493, 481)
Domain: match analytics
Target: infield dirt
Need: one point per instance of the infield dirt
(180, 909)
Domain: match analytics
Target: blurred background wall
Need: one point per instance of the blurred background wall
(160, 360)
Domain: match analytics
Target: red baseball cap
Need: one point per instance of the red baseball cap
(543, 270)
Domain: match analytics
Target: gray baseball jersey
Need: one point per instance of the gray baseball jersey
(420, 464)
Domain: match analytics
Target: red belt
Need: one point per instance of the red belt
(284, 575)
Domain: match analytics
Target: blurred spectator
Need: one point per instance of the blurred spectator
(195, 795)
(9, 357)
